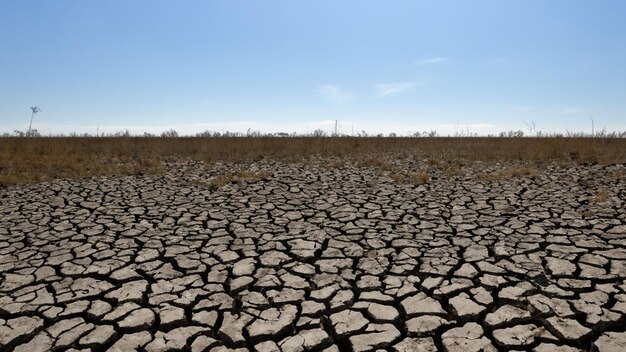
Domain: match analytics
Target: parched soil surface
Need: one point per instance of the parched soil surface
(316, 257)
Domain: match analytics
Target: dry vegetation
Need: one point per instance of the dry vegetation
(520, 171)
(600, 197)
(238, 176)
(413, 178)
(25, 160)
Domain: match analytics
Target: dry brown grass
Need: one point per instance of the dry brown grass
(453, 171)
(397, 173)
(617, 174)
(413, 178)
(600, 197)
(433, 162)
(527, 171)
(240, 176)
(24, 160)
(512, 172)
(377, 163)
(337, 164)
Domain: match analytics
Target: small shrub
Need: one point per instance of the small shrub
(169, 134)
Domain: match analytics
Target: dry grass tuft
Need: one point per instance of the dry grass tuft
(433, 162)
(9, 180)
(490, 177)
(413, 178)
(219, 181)
(251, 176)
(617, 174)
(337, 164)
(147, 166)
(601, 197)
(376, 163)
(453, 171)
(419, 178)
(239, 176)
(526, 171)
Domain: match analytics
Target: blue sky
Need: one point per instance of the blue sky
(378, 66)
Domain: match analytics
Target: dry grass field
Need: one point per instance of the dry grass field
(25, 160)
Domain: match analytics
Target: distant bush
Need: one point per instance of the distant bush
(28, 133)
(512, 134)
(169, 134)
(318, 133)
(124, 133)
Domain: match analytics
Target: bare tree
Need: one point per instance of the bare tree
(169, 134)
(34, 109)
(319, 133)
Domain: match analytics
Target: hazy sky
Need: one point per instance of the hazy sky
(378, 66)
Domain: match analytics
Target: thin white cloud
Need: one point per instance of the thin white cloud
(386, 89)
(571, 110)
(431, 61)
(334, 93)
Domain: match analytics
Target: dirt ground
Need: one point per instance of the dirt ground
(322, 255)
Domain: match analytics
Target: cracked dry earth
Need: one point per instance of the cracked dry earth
(313, 258)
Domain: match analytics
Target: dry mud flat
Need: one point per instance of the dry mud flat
(316, 258)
